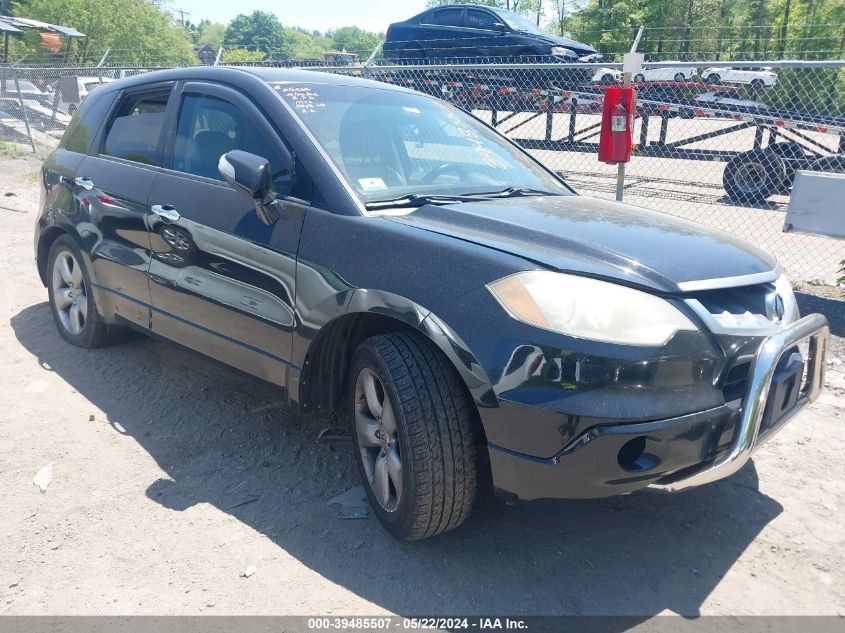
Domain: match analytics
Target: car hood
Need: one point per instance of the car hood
(597, 238)
(579, 48)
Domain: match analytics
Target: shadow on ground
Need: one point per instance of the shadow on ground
(225, 440)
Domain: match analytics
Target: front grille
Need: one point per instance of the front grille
(743, 306)
(758, 309)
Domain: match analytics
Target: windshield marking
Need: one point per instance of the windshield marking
(303, 98)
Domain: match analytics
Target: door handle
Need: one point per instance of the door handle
(85, 183)
(166, 212)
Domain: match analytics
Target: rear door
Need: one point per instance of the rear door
(114, 182)
(221, 281)
(444, 36)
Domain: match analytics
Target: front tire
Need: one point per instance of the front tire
(415, 435)
(71, 300)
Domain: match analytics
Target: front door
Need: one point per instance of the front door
(221, 281)
(488, 33)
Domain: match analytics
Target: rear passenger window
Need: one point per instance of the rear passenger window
(86, 123)
(447, 17)
(136, 128)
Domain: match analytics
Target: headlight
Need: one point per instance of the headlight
(589, 308)
(790, 305)
(562, 51)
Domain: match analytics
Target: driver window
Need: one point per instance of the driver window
(208, 128)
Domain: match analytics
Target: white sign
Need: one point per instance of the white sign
(817, 204)
(632, 63)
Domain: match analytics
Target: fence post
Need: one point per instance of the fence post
(23, 110)
(626, 82)
(644, 129)
(103, 58)
(550, 112)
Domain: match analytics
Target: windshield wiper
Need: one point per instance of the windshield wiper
(416, 200)
(513, 192)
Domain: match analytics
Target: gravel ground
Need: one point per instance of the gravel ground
(171, 475)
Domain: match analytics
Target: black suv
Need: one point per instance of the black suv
(472, 33)
(375, 250)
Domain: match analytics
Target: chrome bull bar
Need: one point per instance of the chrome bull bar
(812, 328)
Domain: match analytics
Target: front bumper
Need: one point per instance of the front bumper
(672, 454)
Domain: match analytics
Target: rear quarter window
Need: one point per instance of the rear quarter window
(86, 122)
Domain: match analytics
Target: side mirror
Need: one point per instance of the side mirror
(249, 175)
(500, 26)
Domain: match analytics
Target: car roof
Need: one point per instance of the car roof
(245, 75)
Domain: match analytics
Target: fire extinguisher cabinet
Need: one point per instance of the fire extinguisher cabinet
(617, 122)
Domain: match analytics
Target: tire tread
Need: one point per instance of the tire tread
(440, 421)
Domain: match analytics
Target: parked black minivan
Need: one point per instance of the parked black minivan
(477, 33)
(377, 251)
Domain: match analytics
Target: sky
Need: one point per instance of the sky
(371, 15)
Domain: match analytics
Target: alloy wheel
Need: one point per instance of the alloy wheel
(378, 439)
(749, 177)
(69, 293)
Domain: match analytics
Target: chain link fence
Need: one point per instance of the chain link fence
(715, 142)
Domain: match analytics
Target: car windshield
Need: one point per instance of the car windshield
(517, 22)
(391, 144)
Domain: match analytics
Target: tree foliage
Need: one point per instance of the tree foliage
(709, 29)
(207, 32)
(354, 40)
(136, 30)
(260, 31)
(240, 55)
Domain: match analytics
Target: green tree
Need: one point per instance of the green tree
(355, 40)
(260, 31)
(210, 33)
(241, 55)
(136, 31)
(300, 44)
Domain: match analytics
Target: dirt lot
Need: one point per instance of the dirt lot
(172, 475)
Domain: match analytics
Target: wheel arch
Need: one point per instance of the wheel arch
(48, 237)
(369, 313)
(42, 251)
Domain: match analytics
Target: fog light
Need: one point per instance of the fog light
(631, 452)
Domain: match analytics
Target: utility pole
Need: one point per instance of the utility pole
(182, 13)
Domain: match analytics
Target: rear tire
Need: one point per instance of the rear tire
(72, 301)
(415, 434)
(714, 78)
(639, 78)
(679, 77)
(757, 85)
(753, 176)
